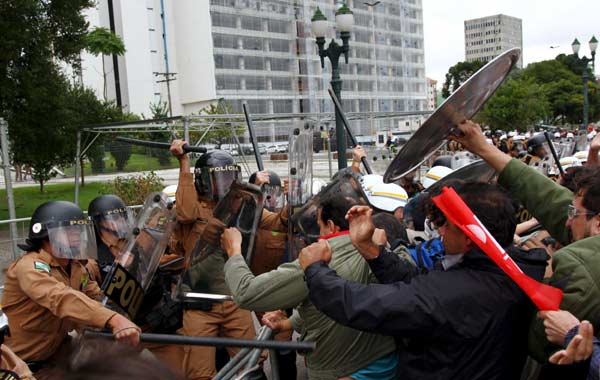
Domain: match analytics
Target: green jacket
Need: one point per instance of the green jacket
(576, 267)
(340, 350)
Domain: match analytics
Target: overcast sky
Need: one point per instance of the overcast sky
(545, 23)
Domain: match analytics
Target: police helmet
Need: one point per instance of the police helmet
(110, 214)
(214, 173)
(64, 225)
(274, 179)
(443, 161)
(534, 143)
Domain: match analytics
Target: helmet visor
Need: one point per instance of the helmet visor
(274, 198)
(73, 239)
(115, 223)
(214, 182)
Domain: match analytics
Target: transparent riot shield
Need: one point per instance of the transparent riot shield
(300, 166)
(304, 221)
(460, 159)
(299, 184)
(203, 278)
(132, 271)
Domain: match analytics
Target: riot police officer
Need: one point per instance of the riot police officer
(47, 292)
(197, 195)
(535, 149)
(271, 246)
(112, 224)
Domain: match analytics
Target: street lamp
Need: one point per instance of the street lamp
(376, 87)
(585, 61)
(344, 20)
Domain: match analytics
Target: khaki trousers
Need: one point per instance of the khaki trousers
(225, 319)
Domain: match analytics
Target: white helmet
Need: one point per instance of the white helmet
(570, 135)
(435, 174)
(557, 135)
(387, 196)
(317, 185)
(170, 191)
(369, 180)
(582, 156)
(569, 162)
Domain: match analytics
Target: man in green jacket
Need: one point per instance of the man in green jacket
(341, 351)
(571, 218)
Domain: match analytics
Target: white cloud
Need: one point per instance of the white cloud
(545, 23)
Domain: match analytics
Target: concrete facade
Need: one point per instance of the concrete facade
(260, 52)
(487, 37)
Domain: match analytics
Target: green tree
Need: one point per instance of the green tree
(160, 110)
(517, 104)
(102, 41)
(458, 74)
(563, 89)
(219, 134)
(36, 35)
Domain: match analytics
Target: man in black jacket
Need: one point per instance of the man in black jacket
(465, 320)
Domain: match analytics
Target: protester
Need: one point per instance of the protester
(465, 321)
(340, 351)
(572, 218)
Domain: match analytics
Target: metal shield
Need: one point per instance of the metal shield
(460, 106)
(134, 268)
(203, 277)
(476, 171)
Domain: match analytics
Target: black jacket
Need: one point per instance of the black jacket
(469, 322)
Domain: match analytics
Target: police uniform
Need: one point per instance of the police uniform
(269, 246)
(219, 319)
(44, 301)
(12, 365)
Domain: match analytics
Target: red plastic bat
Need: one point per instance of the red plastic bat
(545, 297)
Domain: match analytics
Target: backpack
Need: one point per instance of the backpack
(427, 253)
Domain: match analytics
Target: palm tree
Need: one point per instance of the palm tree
(102, 41)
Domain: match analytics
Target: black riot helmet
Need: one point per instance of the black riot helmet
(273, 192)
(535, 145)
(443, 161)
(214, 173)
(110, 216)
(64, 225)
(274, 179)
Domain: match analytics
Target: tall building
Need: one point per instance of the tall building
(432, 94)
(262, 52)
(487, 37)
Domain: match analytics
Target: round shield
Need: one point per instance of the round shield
(460, 106)
(476, 171)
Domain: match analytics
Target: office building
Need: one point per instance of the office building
(487, 37)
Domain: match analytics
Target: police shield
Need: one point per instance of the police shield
(460, 159)
(203, 277)
(132, 271)
(461, 105)
(478, 171)
(304, 221)
(300, 166)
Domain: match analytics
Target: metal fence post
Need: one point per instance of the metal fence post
(186, 129)
(8, 183)
(77, 166)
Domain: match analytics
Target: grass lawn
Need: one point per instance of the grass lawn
(27, 199)
(137, 163)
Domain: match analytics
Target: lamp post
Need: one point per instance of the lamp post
(376, 87)
(585, 61)
(344, 20)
